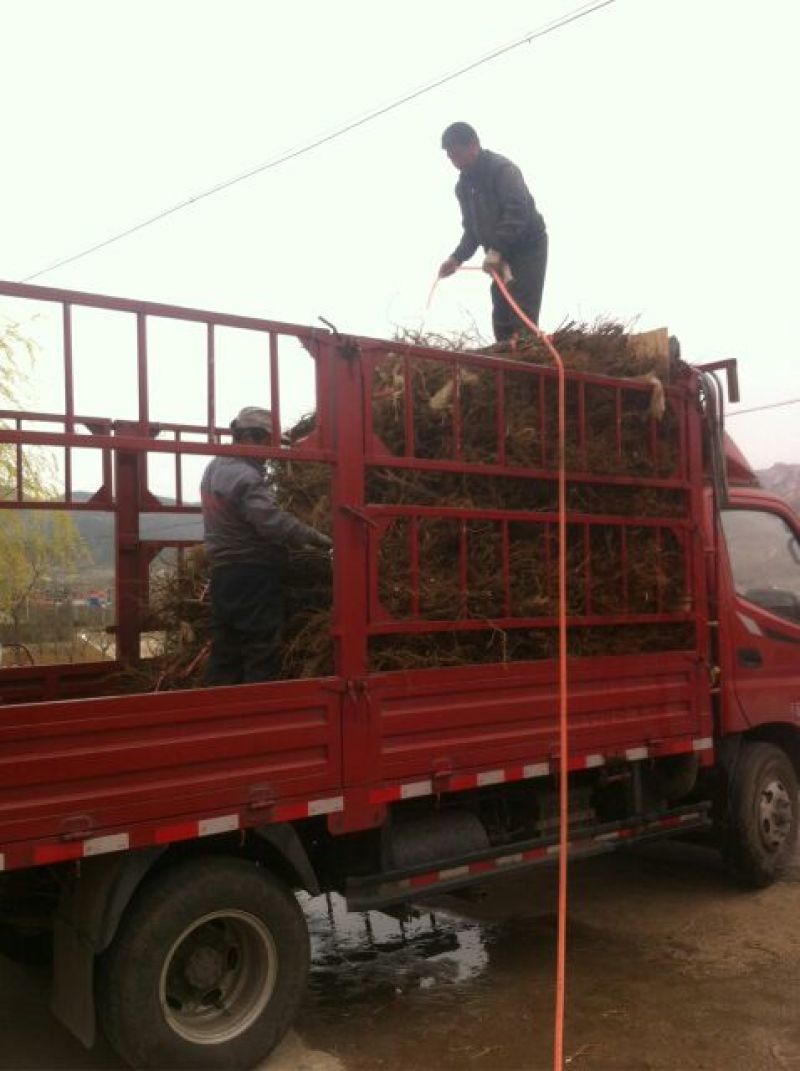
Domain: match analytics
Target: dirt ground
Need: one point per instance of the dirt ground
(671, 967)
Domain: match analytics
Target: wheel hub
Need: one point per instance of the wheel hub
(218, 977)
(775, 814)
(205, 967)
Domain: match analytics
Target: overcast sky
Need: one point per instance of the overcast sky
(658, 137)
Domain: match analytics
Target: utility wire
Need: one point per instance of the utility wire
(759, 408)
(346, 128)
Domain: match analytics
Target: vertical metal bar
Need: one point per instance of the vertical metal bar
(506, 569)
(456, 411)
(144, 396)
(141, 372)
(350, 575)
(131, 590)
(413, 564)
(582, 425)
(462, 568)
(408, 411)
(18, 452)
(618, 420)
(500, 416)
(659, 573)
(623, 554)
(542, 424)
(704, 559)
(108, 484)
(178, 471)
(684, 468)
(211, 383)
(376, 611)
(275, 389)
(69, 398)
(587, 569)
(548, 567)
(367, 404)
(321, 377)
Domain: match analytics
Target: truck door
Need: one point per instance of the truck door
(764, 555)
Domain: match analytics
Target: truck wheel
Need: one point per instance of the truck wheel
(207, 969)
(763, 814)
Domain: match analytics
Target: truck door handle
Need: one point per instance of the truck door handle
(749, 657)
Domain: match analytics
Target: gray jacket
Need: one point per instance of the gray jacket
(243, 523)
(497, 209)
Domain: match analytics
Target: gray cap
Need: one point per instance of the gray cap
(252, 417)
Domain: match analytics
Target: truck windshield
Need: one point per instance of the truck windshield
(765, 559)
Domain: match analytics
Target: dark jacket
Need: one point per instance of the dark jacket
(497, 209)
(243, 523)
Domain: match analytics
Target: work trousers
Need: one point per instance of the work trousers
(247, 619)
(528, 265)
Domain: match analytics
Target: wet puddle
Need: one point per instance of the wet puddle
(366, 956)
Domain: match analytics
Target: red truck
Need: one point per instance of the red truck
(166, 834)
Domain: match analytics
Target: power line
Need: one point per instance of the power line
(759, 408)
(346, 128)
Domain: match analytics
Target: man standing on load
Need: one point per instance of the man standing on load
(247, 538)
(498, 213)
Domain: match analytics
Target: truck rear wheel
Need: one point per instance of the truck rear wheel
(763, 814)
(207, 969)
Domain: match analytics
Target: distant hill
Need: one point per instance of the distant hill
(784, 479)
(97, 530)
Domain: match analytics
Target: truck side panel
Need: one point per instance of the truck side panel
(72, 768)
(427, 723)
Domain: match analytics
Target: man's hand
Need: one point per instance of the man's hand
(322, 541)
(493, 261)
(494, 264)
(449, 267)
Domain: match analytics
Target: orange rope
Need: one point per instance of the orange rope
(563, 736)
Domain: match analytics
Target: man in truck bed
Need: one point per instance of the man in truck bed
(246, 537)
(499, 213)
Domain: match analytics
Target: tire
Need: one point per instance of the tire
(207, 969)
(762, 820)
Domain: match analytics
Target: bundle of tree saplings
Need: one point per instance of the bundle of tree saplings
(482, 416)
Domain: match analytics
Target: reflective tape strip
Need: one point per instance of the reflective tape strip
(227, 823)
(636, 754)
(509, 860)
(491, 777)
(453, 872)
(538, 769)
(2, 861)
(115, 842)
(416, 788)
(594, 760)
(331, 806)
(705, 743)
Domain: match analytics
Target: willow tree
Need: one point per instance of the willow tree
(36, 546)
